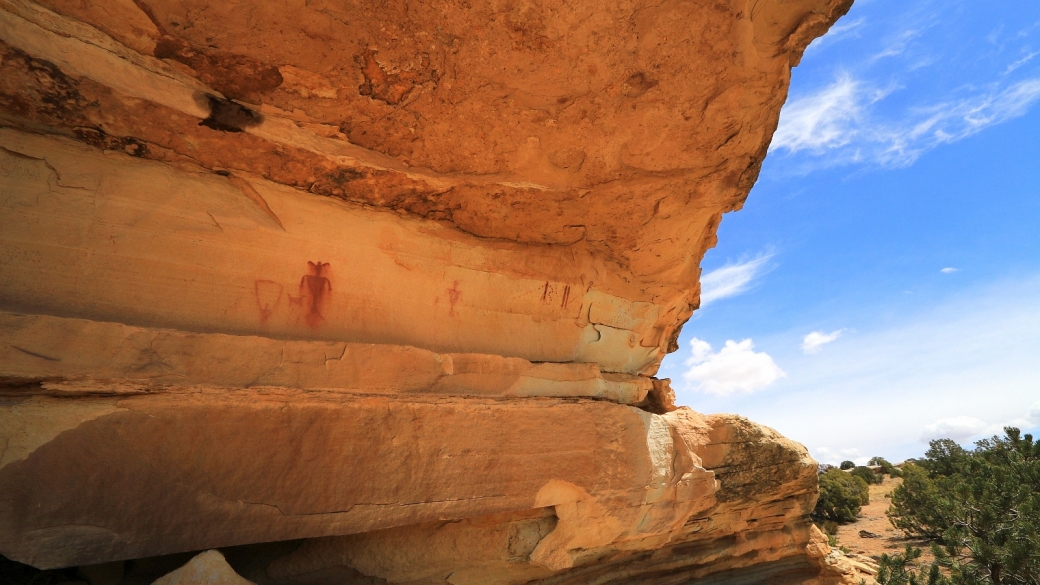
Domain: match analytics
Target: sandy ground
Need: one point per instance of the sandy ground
(872, 519)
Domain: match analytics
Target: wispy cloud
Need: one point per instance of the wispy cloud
(884, 108)
(731, 279)
(736, 368)
(825, 120)
(837, 124)
(813, 342)
(897, 46)
(1011, 68)
(995, 35)
(951, 121)
(949, 270)
(844, 28)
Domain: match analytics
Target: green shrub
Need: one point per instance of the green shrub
(847, 465)
(841, 496)
(866, 474)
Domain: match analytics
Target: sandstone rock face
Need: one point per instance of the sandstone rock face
(389, 281)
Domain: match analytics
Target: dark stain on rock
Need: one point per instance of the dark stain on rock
(747, 178)
(33, 87)
(15, 386)
(336, 183)
(99, 139)
(637, 84)
(226, 115)
(384, 189)
(236, 76)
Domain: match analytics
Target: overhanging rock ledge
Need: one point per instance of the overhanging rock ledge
(376, 292)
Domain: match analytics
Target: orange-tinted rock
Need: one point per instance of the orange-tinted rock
(391, 279)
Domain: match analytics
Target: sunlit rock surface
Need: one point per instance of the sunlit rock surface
(385, 286)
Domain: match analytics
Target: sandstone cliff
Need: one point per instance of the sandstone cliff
(384, 285)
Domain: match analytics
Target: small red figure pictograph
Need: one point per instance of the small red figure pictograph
(454, 294)
(549, 294)
(314, 293)
(268, 294)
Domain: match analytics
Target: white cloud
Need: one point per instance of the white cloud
(736, 368)
(949, 270)
(973, 354)
(839, 124)
(835, 457)
(958, 428)
(731, 279)
(812, 342)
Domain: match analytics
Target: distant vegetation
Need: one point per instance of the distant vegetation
(841, 496)
(866, 474)
(885, 466)
(981, 509)
(846, 489)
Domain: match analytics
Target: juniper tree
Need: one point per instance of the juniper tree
(841, 496)
(981, 507)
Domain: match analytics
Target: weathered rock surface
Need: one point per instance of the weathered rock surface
(193, 469)
(385, 285)
(767, 486)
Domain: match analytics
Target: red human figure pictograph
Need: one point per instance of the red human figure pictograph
(454, 294)
(314, 290)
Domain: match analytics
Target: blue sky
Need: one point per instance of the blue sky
(881, 285)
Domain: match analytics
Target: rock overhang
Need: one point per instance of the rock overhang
(225, 224)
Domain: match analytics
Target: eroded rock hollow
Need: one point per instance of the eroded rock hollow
(375, 292)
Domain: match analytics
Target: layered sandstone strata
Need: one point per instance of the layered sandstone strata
(387, 281)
